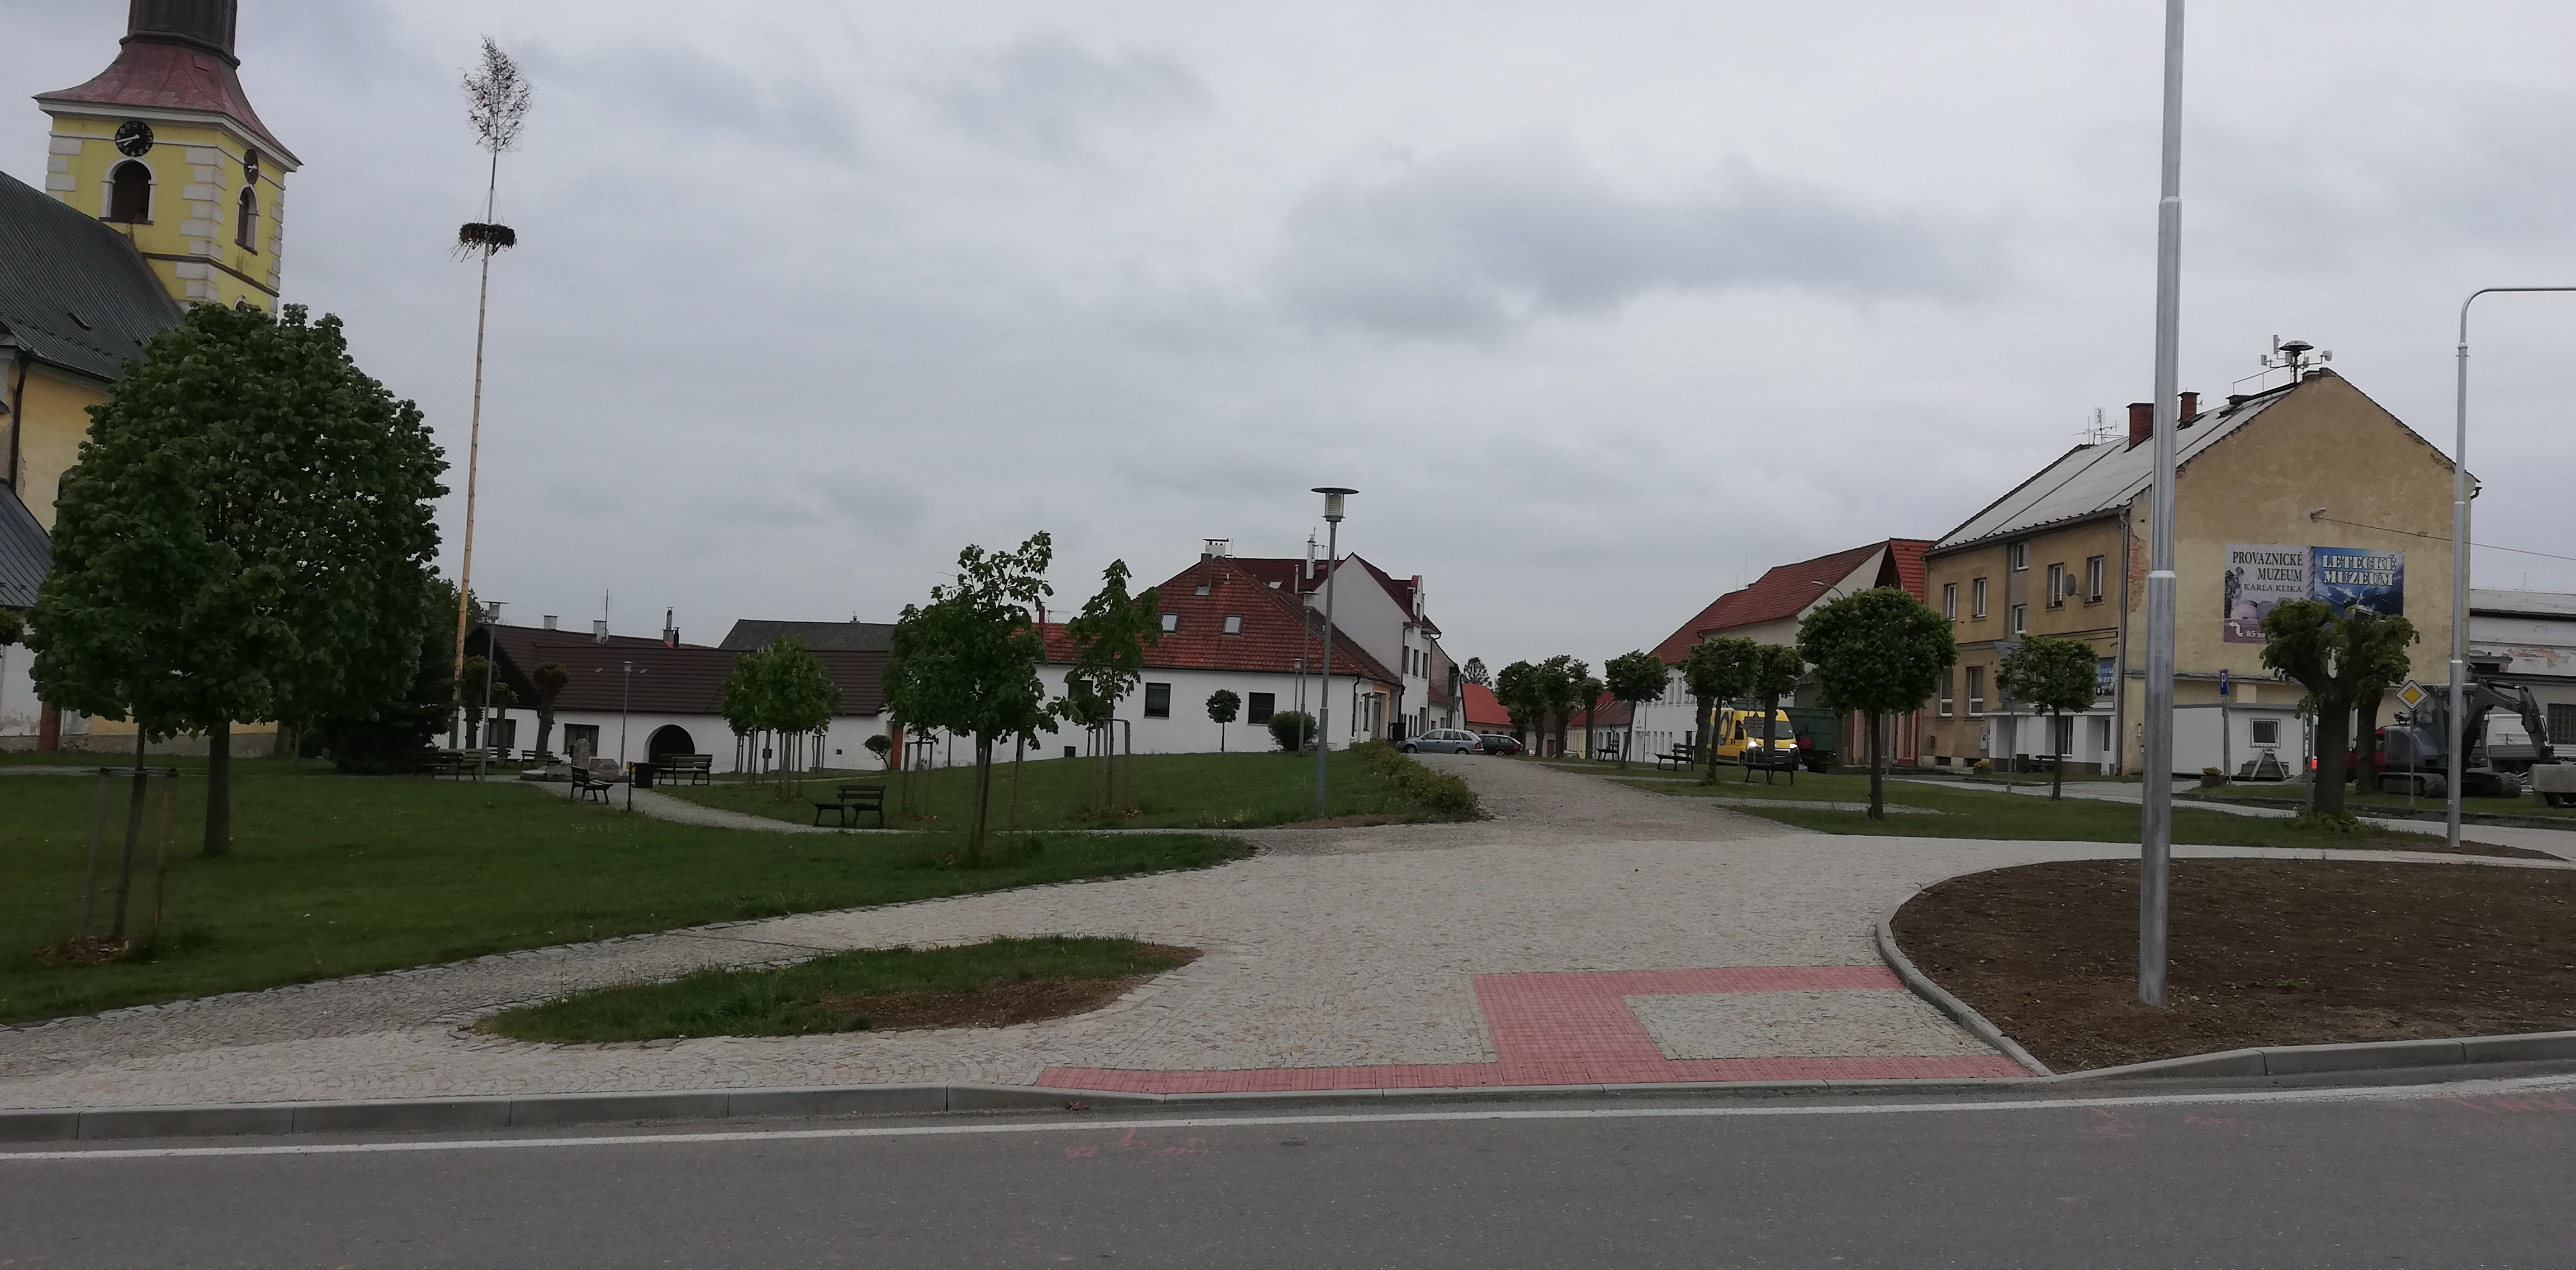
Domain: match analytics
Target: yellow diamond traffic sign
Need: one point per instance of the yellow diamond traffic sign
(2413, 694)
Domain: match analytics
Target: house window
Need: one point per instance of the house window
(1234, 623)
(1976, 690)
(2562, 725)
(2019, 619)
(1948, 680)
(1259, 706)
(1977, 598)
(1950, 600)
(2267, 731)
(246, 227)
(2020, 552)
(1158, 701)
(2057, 586)
(1171, 622)
(129, 194)
(2093, 579)
(581, 738)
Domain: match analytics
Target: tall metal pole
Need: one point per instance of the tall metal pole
(2458, 725)
(2156, 822)
(474, 438)
(1333, 495)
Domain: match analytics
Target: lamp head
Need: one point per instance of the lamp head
(1333, 495)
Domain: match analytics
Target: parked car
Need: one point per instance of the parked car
(1442, 741)
(1496, 743)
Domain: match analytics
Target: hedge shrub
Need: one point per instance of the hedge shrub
(1437, 792)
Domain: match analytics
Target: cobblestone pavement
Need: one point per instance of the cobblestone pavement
(1502, 951)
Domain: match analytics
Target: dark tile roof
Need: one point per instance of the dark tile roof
(853, 636)
(73, 293)
(171, 76)
(684, 680)
(25, 553)
(1290, 574)
(1278, 629)
(1784, 591)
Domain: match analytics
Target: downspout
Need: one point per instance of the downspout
(17, 424)
(2120, 681)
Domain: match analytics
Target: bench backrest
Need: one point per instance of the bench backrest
(862, 793)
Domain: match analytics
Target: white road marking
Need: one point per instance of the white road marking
(2373, 1093)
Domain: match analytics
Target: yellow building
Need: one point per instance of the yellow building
(162, 188)
(2308, 490)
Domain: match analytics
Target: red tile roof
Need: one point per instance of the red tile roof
(1277, 628)
(1905, 561)
(1784, 591)
(169, 76)
(1290, 574)
(1485, 712)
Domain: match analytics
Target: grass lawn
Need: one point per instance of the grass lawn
(1976, 812)
(336, 875)
(2356, 800)
(1172, 791)
(994, 983)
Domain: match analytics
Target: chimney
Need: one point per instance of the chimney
(550, 621)
(2190, 407)
(670, 630)
(599, 630)
(2142, 422)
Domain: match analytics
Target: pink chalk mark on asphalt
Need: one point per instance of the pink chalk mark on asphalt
(1574, 1028)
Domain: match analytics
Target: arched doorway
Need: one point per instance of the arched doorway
(667, 740)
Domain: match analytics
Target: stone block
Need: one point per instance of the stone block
(2294, 1060)
(188, 1122)
(38, 1126)
(2529, 1047)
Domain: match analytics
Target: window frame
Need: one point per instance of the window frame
(1259, 706)
(2254, 731)
(1171, 622)
(1949, 686)
(1950, 600)
(1976, 691)
(2017, 620)
(2057, 589)
(246, 221)
(2094, 569)
(1152, 690)
(1233, 624)
(1977, 599)
(151, 183)
(2018, 555)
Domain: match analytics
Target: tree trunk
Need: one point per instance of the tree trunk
(2057, 761)
(1877, 771)
(2334, 727)
(2365, 742)
(219, 789)
(1629, 741)
(545, 730)
(133, 831)
(1770, 735)
(282, 745)
(983, 793)
(1710, 750)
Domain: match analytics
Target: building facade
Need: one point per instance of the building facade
(2307, 490)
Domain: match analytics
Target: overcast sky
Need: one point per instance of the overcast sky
(1604, 308)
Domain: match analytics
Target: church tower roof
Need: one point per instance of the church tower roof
(177, 56)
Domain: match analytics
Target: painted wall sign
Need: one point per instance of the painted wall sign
(2259, 577)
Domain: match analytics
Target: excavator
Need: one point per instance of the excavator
(2414, 752)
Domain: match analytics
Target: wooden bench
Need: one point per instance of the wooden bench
(683, 769)
(851, 802)
(1683, 754)
(586, 782)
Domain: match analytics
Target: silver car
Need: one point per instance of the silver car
(1443, 741)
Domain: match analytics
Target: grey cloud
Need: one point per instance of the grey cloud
(1475, 241)
(681, 87)
(1046, 96)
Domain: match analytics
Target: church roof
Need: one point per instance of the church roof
(155, 71)
(73, 292)
(25, 553)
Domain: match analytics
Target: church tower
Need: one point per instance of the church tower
(164, 147)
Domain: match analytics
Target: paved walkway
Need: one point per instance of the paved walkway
(1588, 933)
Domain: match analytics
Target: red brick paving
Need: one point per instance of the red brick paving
(1574, 1028)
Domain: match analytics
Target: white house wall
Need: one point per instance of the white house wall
(845, 741)
(18, 713)
(1188, 730)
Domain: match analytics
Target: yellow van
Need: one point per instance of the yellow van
(1739, 739)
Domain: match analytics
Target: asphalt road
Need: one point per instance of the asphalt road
(2456, 1176)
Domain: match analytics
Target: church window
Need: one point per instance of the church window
(246, 232)
(129, 194)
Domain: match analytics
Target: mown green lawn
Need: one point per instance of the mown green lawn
(1170, 791)
(335, 875)
(1977, 812)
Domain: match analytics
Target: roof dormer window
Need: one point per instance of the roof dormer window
(1234, 623)
(1171, 622)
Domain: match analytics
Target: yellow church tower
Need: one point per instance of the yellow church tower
(164, 147)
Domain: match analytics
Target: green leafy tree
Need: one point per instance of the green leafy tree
(1879, 652)
(1776, 671)
(2055, 675)
(1587, 690)
(1222, 707)
(2389, 666)
(784, 689)
(2335, 656)
(549, 679)
(397, 735)
(1109, 637)
(242, 538)
(1716, 671)
(480, 673)
(967, 662)
(882, 746)
(1294, 730)
(13, 628)
(1516, 690)
(1635, 678)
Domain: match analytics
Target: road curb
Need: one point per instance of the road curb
(1959, 1011)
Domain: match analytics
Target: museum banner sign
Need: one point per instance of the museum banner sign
(2259, 577)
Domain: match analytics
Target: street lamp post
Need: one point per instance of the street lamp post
(491, 662)
(625, 699)
(2155, 840)
(1333, 496)
(2458, 726)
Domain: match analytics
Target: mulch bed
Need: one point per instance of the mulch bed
(2263, 952)
(1002, 1003)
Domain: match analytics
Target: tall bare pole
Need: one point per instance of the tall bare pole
(1333, 496)
(2156, 781)
(497, 104)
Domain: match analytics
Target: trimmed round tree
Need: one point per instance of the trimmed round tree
(2055, 675)
(1222, 707)
(2336, 657)
(1717, 671)
(1776, 671)
(1635, 678)
(1879, 652)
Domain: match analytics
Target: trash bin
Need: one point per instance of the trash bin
(643, 775)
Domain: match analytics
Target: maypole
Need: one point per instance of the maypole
(496, 97)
